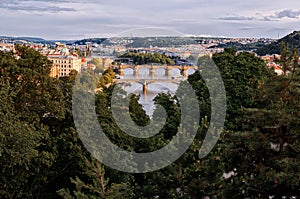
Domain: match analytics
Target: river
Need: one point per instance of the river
(152, 89)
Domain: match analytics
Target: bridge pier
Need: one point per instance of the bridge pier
(136, 72)
(121, 71)
(168, 72)
(184, 70)
(152, 72)
(145, 88)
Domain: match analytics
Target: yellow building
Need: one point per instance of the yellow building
(54, 71)
(62, 65)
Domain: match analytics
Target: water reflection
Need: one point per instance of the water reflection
(152, 90)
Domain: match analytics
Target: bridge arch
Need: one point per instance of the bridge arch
(175, 72)
(190, 71)
(128, 71)
(142, 71)
(160, 72)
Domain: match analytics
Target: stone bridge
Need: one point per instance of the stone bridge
(153, 68)
(145, 82)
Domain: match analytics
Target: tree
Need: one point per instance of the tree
(146, 58)
(79, 52)
(18, 149)
(241, 73)
(106, 78)
(97, 61)
(39, 147)
(259, 159)
(30, 97)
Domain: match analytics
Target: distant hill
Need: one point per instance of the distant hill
(93, 40)
(28, 39)
(33, 40)
(293, 40)
(134, 42)
(243, 47)
(137, 42)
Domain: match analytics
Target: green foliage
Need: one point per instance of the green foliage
(257, 155)
(98, 187)
(28, 97)
(106, 78)
(97, 61)
(79, 52)
(146, 58)
(263, 151)
(242, 74)
(39, 146)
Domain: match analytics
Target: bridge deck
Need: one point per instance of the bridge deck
(119, 81)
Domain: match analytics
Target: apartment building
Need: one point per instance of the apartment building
(64, 64)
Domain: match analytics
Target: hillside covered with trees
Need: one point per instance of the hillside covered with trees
(293, 41)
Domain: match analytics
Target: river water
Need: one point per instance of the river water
(152, 89)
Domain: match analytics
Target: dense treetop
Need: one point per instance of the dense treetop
(257, 155)
(146, 58)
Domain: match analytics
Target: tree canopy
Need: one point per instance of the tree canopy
(257, 155)
(146, 58)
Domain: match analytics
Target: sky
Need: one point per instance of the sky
(78, 19)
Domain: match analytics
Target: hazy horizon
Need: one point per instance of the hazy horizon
(107, 37)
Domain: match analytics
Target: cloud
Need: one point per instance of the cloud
(287, 13)
(20, 2)
(247, 28)
(51, 9)
(36, 6)
(237, 18)
(290, 14)
(268, 18)
(57, 18)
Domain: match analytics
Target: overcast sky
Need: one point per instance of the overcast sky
(76, 19)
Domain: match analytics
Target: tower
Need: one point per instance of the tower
(88, 49)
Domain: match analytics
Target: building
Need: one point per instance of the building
(276, 67)
(63, 61)
(7, 47)
(64, 64)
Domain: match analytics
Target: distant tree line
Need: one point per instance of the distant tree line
(146, 58)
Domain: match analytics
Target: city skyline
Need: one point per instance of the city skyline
(77, 19)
